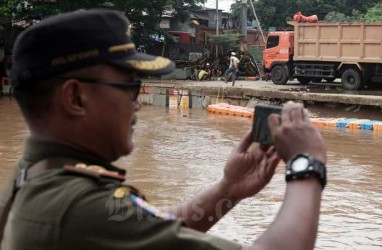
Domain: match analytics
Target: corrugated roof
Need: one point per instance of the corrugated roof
(199, 16)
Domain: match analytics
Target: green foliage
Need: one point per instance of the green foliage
(228, 41)
(7, 7)
(332, 17)
(182, 7)
(236, 12)
(374, 14)
(275, 12)
(144, 15)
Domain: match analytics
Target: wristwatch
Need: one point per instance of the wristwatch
(303, 166)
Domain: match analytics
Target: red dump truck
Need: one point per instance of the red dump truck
(314, 52)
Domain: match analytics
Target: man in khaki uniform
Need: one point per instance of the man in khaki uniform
(74, 77)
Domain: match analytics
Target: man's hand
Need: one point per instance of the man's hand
(294, 134)
(248, 171)
(245, 174)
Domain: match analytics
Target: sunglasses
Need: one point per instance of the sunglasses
(132, 86)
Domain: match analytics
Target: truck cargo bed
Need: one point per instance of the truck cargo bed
(338, 42)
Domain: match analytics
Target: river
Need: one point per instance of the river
(179, 153)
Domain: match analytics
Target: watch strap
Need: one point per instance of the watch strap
(315, 168)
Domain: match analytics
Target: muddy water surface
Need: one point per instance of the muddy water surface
(179, 153)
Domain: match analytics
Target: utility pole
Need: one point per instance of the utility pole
(217, 17)
(217, 26)
(244, 18)
(258, 22)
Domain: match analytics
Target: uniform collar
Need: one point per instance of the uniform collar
(36, 150)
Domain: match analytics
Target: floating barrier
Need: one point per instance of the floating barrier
(326, 122)
(377, 126)
(345, 122)
(227, 109)
(370, 125)
(351, 123)
(357, 123)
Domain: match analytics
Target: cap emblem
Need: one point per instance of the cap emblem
(158, 63)
(75, 57)
(123, 47)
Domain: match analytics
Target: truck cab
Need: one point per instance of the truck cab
(320, 51)
(278, 52)
(279, 48)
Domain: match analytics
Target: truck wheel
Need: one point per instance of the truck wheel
(316, 79)
(351, 79)
(304, 79)
(279, 75)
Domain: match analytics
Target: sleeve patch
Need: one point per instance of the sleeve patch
(152, 210)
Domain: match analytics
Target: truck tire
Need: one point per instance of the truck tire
(303, 79)
(317, 79)
(279, 75)
(351, 79)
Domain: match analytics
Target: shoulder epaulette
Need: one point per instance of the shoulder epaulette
(94, 170)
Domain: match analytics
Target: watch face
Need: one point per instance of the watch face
(300, 164)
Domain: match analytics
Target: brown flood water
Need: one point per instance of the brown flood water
(181, 152)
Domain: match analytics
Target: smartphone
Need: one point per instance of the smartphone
(260, 129)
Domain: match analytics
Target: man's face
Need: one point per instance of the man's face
(114, 113)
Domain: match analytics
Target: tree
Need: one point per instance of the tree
(236, 13)
(7, 7)
(340, 17)
(374, 14)
(333, 17)
(276, 13)
(227, 41)
(144, 15)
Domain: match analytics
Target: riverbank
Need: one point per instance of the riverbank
(245, 91)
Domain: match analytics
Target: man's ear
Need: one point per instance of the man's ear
(74, 97)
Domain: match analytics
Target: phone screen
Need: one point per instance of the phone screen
(260, 130)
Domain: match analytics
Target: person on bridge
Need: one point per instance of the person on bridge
(204, 73)
(74, 78)
(232, 68)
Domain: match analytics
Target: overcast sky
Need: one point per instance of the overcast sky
(222, 4)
